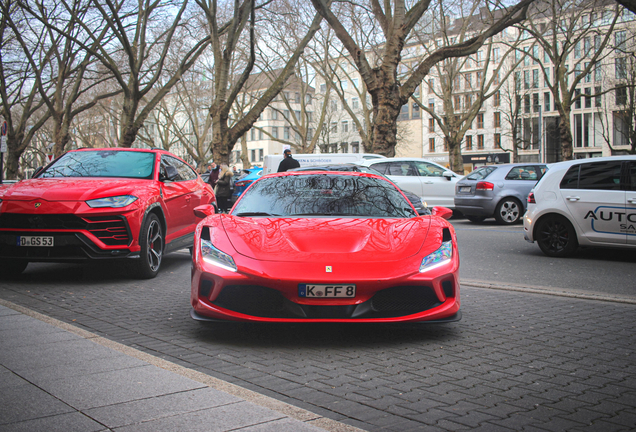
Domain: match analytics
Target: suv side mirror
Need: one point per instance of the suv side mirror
(171, 174)
(448, 174)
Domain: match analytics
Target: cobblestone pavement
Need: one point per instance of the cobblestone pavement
(516, 361)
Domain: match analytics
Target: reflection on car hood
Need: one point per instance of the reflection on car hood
(342, 239)
(71, 189)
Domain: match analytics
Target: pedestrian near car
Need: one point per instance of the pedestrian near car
(288, 162)
(214, 175)
(222, 190)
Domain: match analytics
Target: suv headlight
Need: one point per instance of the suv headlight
(212, 255)
(438, 258)
(116, 201)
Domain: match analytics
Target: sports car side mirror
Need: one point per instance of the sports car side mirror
(204, 211)
(443, 212)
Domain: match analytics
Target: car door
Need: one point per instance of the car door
(594, 197)
(402, 173)
(437, 190)
(630, 203)
(180, 197)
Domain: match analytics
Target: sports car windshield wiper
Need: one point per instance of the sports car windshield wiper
(256, 214)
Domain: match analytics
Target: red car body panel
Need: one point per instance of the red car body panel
(68, 196)
(279, 253)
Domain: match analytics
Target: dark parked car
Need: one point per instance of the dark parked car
(498, 191)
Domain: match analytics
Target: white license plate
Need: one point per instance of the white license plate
(464, 188)
(327, 291)
(35, 241)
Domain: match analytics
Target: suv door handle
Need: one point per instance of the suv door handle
(631, 200)
(572, 198)
(428, 182)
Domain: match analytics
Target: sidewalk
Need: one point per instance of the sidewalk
(56, 377)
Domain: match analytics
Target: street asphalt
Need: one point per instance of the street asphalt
(88, 348)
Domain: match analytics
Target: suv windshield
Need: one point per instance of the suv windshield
(103, 163)
(324, 195)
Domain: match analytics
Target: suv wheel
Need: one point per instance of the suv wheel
(509, 211)
(556, 236)
(151, 242)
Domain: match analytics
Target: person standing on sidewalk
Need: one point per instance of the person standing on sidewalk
(222, 190)
(288, 162)
(214, 175)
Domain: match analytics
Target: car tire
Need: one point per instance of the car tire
(12, 267)
(476, 219)
(151, 241)
(509, 211)
(556, 236)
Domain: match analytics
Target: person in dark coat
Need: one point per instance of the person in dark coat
(288, 162)
(214, 175)
(222, 190)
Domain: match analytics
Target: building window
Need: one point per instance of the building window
(497, 141)
(252, 134)
(497, 119)
(308, 99)
(431, 145)
(469, 142)
(404, 112)
(431, 105)
(286, 131)
(535, 78)
(577, 100)
(334, 127)
(345, 127)
(588, 98)
(275, 131)
(334, 105)
(496, 99)
(416, 111)
(274, 114)
(526, 79)
(297, 97)
(355, 103)
(621, 95)
(323, 88)
(478, 76)
(480, 121)
(480, 142)
(468, 101)
(535, 102)
(310, 133)
(546, 101)
(260, 155)
(344, 147)
(620, 66)
(469, 80)
(253, 155)
(526, 104)
(260, 134)
(458, 103)
(597, 98)
(355, 147)
(431, 125)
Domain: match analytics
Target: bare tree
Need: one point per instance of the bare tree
(573, 36)
(464, 84)
(388, 94)
(228, 86)
(22, 108)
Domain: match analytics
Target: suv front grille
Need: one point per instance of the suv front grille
(111, 230)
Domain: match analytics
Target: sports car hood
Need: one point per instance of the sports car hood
(71, 189)
(304, 240)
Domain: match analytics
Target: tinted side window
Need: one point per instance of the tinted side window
(596, 176)
(185, 172)
(381, 167)
(427, 169)
(571, 178)
(401, 169)
(542, 170)
(632, 176)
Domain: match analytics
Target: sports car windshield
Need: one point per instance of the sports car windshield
(103, 163)
(324, 195)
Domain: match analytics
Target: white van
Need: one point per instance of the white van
(271, 162)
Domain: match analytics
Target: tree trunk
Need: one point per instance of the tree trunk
(245, 157)
(565, 133)
(455, 155)
(129, 130)
(386, 103)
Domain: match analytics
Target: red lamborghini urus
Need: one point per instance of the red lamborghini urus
(114, 203)
(311, 246)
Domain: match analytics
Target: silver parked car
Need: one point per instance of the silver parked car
(498, 191)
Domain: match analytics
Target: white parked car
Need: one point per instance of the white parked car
(434, 183)
(586, 202)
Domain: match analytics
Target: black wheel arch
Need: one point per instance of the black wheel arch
(157, 210)
(537, 223)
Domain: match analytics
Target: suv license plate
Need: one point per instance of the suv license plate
(326, 291)
(35, 241)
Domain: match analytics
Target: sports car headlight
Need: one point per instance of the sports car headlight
(438, 258)
(213, 256)
(116, 201)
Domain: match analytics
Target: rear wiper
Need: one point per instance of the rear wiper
(255, 214)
